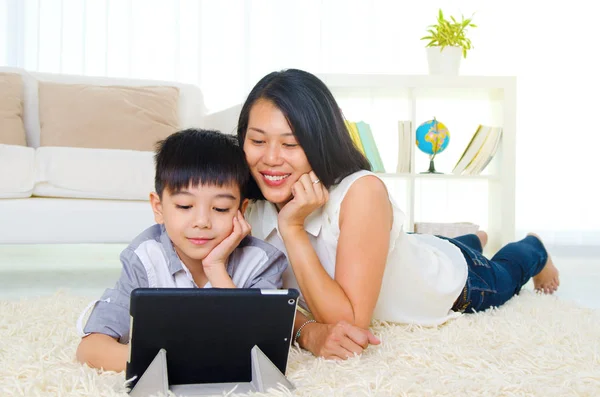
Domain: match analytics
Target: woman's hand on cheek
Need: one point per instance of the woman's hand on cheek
(339, 341)
(308, 195)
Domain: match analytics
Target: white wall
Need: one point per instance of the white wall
(225, 46)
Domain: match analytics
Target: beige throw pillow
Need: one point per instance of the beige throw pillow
(12, 130)
(106, 117)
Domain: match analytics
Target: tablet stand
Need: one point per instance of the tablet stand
(265, 375)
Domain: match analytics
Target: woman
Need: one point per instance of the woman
(343, 235)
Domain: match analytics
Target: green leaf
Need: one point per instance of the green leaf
(450, 32)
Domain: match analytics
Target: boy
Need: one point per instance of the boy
(200, 239)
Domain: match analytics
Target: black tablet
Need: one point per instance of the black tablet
(208, 333)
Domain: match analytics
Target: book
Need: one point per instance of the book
(472, 149)
(371, 151)
(404, 146)
(486, 153)
(351, 126)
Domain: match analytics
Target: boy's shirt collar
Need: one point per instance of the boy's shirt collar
(173, 261)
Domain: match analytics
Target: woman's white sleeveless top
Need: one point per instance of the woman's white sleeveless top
(423, 275)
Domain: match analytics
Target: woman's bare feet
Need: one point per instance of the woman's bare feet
(483, 238)
(546, 281)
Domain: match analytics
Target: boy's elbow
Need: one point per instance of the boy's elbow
(102, 351)
(82, 353)
(88, 350)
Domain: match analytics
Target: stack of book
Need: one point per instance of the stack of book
(363, 139)
(479, 152)
(477, 155)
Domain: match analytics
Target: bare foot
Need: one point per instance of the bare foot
(483, 238)
(546, 281)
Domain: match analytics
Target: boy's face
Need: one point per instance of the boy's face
(198, 218)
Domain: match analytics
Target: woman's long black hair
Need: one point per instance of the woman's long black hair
(316, 121)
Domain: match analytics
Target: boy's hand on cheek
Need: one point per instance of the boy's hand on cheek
(216, 261)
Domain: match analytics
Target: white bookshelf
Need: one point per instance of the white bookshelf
(460, 102)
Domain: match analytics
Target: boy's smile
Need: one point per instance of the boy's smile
(197, 218)
(199, 240)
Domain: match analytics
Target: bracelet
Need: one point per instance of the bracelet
(300, 330)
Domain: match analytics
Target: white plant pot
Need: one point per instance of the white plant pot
(445, 62)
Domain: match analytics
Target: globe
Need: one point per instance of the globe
(432, 138)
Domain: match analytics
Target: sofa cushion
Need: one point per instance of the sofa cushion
(94, 173)
(16, 171)
(12, 129)
(106, 117)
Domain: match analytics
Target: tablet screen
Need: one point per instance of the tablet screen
(208, 333)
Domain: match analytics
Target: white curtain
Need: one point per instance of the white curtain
(225, 46)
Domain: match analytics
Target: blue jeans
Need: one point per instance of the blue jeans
(492, 282)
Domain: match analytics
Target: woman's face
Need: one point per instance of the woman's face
(275, 157)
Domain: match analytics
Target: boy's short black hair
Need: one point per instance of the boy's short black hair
(199, 157)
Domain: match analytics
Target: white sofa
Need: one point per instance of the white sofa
(81, 195)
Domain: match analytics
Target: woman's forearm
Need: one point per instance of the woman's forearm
(325, 297)
(299, 321)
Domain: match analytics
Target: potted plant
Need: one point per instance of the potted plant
(447, 43)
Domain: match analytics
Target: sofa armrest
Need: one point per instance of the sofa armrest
(224, 120)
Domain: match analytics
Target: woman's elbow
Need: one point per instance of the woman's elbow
(350, 318)
(361, 318)
(364, 324)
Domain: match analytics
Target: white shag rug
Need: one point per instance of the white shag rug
(533, 346)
